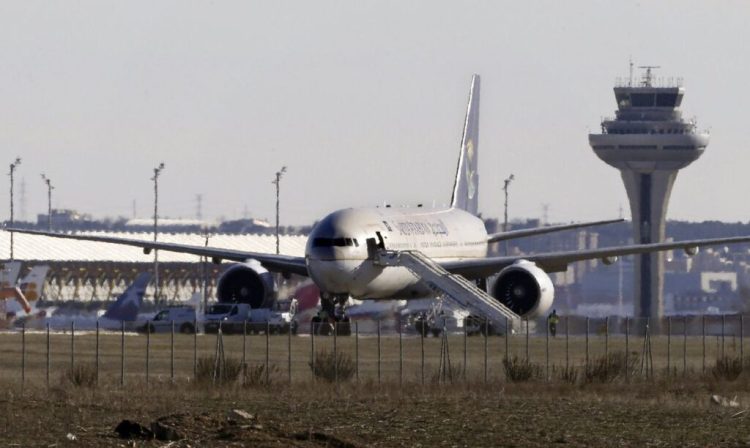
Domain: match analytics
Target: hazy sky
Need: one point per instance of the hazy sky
(363, 101)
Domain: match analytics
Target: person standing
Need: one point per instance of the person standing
(552, 321)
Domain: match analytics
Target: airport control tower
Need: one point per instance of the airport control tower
(648, 141)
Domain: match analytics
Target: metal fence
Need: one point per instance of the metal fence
(678, 346)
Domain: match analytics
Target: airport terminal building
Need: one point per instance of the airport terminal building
(84, 270)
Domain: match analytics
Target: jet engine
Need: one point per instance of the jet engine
(524, 288)
(247, 282)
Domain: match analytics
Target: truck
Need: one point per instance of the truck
(240, 317)
(182, 317)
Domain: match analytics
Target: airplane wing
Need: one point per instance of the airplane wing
(558, 261)
(513, 234)
(272, 262)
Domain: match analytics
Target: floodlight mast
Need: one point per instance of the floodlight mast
(505, 219)
(13, 167)
(277, 181)
(49, 201)
(157, 172)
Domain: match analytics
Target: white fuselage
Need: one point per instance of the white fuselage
(337, 249)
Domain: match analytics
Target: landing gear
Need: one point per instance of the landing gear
(332, 316)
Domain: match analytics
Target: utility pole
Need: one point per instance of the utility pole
(276, 182)
(199, 207)
(157, 171)
(49, 201)
(505, 219)
(13, 167)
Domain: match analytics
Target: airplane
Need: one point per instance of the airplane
(29, 290)
(124, 310)
(9, 272)
(355, 252)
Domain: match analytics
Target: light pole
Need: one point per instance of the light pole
(12, 169)
(276, 182)
(157, 171)
(505, 219)
(49, 201)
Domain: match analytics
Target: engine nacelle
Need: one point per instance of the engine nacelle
(247, 282)
(524, 288)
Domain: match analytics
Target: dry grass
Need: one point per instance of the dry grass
(332, 366)
(670, 409)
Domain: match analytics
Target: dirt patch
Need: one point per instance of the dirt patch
(502, 414)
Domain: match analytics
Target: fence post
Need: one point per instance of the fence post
(627, 348)
(466, 359)
(378, 351)
(122, 353)
(528, 358)
(268, 349)
(587, 344)
(546, 354)
(669, 345)
(703, 325)
(606, 346)
(48, 353)
(742, 335)
(508, 332)
(72, 345)
(421, 335)
(335, 355)
(312, 349)
(567, 344)
(171, 353)
(289, 353)
(148, 349)
(400, 356)
(244, 344)
(23, 357)
(684, 345)
(723, 326)
(486, 330)
(356, 350)
(195, 348)
(96, 355)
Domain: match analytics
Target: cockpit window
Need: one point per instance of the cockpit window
(331, 242)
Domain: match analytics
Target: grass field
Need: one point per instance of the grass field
(386, 405)
(388, 359)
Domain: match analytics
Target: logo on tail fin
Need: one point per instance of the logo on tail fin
(466, 188)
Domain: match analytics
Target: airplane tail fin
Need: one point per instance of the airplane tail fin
(465, 190)
(9, 271)
(128, 304)
(32, 285)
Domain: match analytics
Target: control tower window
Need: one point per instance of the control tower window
(642, 99)
(666, 100)
(623, 99)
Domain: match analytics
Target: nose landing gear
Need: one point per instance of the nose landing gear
(332, 316)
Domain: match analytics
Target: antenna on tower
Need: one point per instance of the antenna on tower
(647, 77)
(630, 82)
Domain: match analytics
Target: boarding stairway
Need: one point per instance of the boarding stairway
(454, 287)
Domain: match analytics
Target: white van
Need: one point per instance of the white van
(183, 318)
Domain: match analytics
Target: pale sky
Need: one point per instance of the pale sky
(363, 101)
